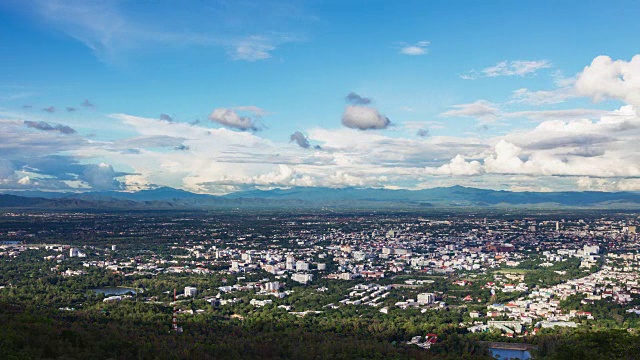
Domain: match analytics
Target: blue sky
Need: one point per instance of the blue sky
(221, 96)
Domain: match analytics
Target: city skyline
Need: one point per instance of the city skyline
(226, 96)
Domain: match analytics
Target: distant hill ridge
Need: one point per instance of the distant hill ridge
(455, 196)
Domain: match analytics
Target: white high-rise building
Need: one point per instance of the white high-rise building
(302, 278)
(302, 266)
(235, 266)
(190, 291)
(290, 262)
(73, 252)
(346, 276)
(426, 298)
(272, 286)
(591, 249)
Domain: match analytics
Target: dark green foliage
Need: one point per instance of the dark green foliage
(609, 344)
(83, 335)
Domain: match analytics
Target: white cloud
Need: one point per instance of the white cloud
(565, 90)
(252, 109)
(566, 145)
(604, 148)
(112, 32)
(544, 97)
(100, 177)
(230, 118)
(509, 68)
(601, 184)
(517, 68)
(486, 112)
(252, 48)
(609, 79)
(480, 109)
(557, 114)
(364, 118)
(458, 167)
(25, 181)
(419, 48)
(505, 159)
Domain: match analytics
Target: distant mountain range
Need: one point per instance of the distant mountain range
(166, 198)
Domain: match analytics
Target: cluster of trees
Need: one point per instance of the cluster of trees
(607, 313)
(132, 330)
(55, 334)
(573, 345)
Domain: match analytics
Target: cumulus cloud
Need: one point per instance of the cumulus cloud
(609, 79)
(37, 155)
(566, 148)
(600, 184)
(356, 99)
(600, 148)
(50, 109)
(44, 126)
(230, 118)
(25, 181)
(100, 177)
(300, 139)
(509, 68)
(612, 124)
(458, 166)
(166, 117)
(419, 48)
(505, 159)
(364, 118)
